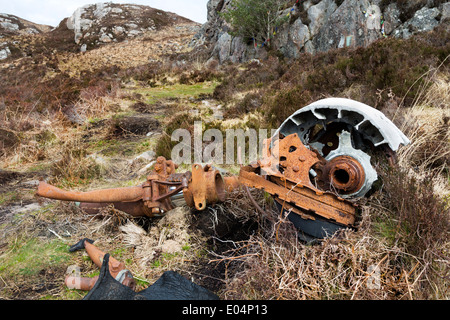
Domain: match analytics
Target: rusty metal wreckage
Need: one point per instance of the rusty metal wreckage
(316, 166)
(315, 170)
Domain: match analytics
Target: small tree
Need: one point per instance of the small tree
(255, 20)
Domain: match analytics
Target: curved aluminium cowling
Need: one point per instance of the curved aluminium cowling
(373, 124)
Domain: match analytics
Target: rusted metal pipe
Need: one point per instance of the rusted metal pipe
(345, 174)
(128, 194)
(80, 283)
(116, 269)
(160, 193)
(136, 209)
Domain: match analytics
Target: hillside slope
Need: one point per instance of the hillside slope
(13, 25)
(89, 27)
(94, 119)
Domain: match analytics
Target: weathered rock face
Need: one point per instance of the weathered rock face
(317, 26)
(11, 25)
(102, 23)
(214, 33)
(424, 19)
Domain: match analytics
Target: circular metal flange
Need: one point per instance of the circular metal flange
(318, 126)
(345, 174)
(349, 169)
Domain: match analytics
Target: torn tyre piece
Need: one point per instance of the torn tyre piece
(309, 230)
(170, 286)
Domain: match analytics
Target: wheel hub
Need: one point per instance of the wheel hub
(345, 174)
(348, 170)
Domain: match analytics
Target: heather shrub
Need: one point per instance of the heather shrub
(73, 166)
(165, 144)
(389, 71)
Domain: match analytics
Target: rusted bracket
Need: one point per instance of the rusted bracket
(157, 192)
(206, 186)
(311, 200)
(294, 159)
(199, 188)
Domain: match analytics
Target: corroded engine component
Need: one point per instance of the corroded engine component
(348, 170)
(345, 132)
(284, 173)
(161, 192)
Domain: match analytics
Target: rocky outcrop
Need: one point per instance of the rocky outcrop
(425, 19)
(146, 33)
(318, 26)
(102, 23)
(11, 25)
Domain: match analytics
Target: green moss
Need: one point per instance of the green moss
(118, 253)
(45, 137)
(114, 147)
(177, 91)
(156, 264)
(8, 197)
(39, 167)
(28, 257)
(101, 145)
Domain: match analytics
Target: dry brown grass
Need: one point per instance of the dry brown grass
(428, 154)
(135, 53)
(31, 129)
(426, 124)
(350, 265)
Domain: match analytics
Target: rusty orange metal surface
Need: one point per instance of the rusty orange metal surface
(135, 209)
(231, 183)
(294, 159)
(80, 283)
(97, 255)
(128, 194)
(285, 174)
(200, 187)
(324, 204)
(206, 186)
(344, 173)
